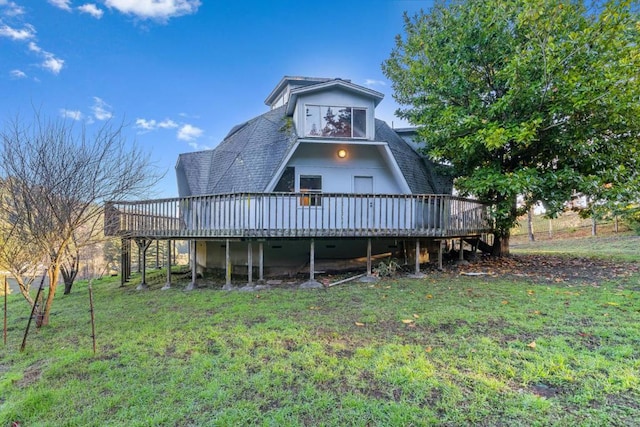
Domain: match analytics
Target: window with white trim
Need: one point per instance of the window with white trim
(311, 184)
(335, 122)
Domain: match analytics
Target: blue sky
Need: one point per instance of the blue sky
(181, 73)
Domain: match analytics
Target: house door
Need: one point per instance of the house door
(364, 202)
(363, 184)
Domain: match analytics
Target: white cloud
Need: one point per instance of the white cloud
(33, 47)
(50, 61)
(149, 125)
(372, 82)
(160, 10)
(18, 74)
(145, 124)
(92, 10)
(62, 4)
(167, 124)
(199, 147)
(12, 9)
(189, 132)
(188, 116)
(28, 32)
(71, 114)
(101, 109)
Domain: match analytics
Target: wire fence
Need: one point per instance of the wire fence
(567, 225)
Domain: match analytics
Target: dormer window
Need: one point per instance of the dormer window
(335, 122)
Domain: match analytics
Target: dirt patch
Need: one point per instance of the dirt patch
(551, 269)
(31, 375)
(544, 390)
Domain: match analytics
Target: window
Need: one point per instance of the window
(286, 184)
(335, 122)
(312, 185)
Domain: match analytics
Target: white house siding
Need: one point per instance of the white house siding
(338, 174)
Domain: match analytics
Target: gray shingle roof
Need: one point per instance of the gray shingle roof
(244, 161)
(249, 156)
(417, 170)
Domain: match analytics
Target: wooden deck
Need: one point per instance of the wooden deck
(296, 215)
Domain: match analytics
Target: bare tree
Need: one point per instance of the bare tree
(20, 256)
(70, 265)
(58, 177)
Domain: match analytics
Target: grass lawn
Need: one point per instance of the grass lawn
(445, 350)
(620, 247)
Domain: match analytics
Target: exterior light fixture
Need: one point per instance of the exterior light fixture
(342, 153)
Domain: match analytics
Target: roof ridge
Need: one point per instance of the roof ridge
(238, 152)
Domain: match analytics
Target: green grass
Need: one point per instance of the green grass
(299, 357)
(617, 247)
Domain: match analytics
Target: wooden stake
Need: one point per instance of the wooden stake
(6, 291)
(33, 310)
(93, 319)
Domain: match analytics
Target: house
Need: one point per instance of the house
(316, 177)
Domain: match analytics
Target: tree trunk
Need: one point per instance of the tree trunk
(24, 289)
(69, 269)
(500, 246)
(68, 283)
(530, 224)
(69, 276)
(54, 274)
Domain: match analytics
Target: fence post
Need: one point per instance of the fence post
(6, 292)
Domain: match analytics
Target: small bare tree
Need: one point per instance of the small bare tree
(57, 178)
(20, 256)
(70, 265)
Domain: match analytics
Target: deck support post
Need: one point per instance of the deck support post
(311, 283)
(260, 262)
(193, 261)
(369, 277)
(125, 261)
(168, 284)
(227, 267)
(143, 245)
(157, 254)
(250, 263)
(461, 260)
(440, 250)
(369, 256)
(249, 285)
(417, 274)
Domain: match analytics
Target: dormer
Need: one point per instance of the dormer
(327, 109)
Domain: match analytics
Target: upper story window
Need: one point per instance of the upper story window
(335, 122)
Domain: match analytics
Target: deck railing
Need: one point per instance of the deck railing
(286, 215)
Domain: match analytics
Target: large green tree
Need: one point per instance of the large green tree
(530, 98)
